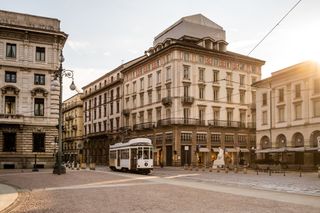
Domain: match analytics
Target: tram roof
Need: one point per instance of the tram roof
(132, 142)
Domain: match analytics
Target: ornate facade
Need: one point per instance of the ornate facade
(29, 50)
(288, 115)
(73, 129)
(187, 93)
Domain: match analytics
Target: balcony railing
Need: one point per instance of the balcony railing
(235, 124)
(11, 118)
(178, 121)
(167, 101)
(187, 100)
(141, 126)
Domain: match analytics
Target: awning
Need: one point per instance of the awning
(296, 149)
(264, 150)
(215, 149)
(203, 149)
(231, 150)
(312, 149)
(244, 150)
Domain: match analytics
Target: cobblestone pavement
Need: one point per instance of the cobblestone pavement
(165, 190)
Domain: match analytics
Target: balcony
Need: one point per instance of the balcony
(187, 100)
(126, 112)
(178, 121)
(233, 124)
(11, 119)
(167, 101)
(142, 126)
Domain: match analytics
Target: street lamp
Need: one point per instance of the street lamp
(59, 74)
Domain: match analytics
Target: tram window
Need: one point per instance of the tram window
(146, 153)
(140, 153)
(151, 154)
(125, 154)
(113, 155)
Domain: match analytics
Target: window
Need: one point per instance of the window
(186, 91)
(38, 142)
(117, 123)
(215, 76)
(134, 101)
(215, 138)
(134, 119)
(316, 108)
(316, 84)
(158, 114)
(229, 95)
(297, 91)
(281, 114)
(168, 113)
(149, 97)
(298, 111)
(201, 74)
(201, 93)
(158, 94)
(215, 93)
(264, 99)
(11, 77)
(39, 107)
(229, 117)
(186, 112)
(150, 115)
(141, 83)
(159, 77)
(242, 77)
(242, 96)
(242, 118)
(186, 72)
(253, 96)
(141, 99)
(281, 95)
(201, 138)
(186, 56)
(118, 92)
(253, 79)
(150, 80)
(229, 79)
(127, 89)
(111, 97)
(111, 124)
(141, 114)
(216, 114)
(9, 142)
(201, 116)
(186, 137)
(11, 51)
(134, 87)
(168, 74)
(169, 90)
(10, 105)
(39, 79)
(40, 54)
(118, 107)
(111, 108)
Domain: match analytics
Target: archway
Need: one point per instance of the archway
(281, 141)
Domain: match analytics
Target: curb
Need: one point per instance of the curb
(8, 196)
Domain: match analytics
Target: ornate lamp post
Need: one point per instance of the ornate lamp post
(59, 74)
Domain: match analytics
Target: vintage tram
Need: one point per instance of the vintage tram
(134, 156)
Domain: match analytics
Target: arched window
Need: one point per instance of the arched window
(265, 142)
(297, 140)
(281, 141)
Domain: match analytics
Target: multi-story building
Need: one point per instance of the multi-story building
(288, 115)
(29, 52)
(102, 103)
(187, 93)
(73, 128)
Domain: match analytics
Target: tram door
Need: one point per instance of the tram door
(133, 158)
(169, 155)
(118, 158)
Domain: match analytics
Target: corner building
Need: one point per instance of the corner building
(288, 116)
(29, 55)
(191, 96)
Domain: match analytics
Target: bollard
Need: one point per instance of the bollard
(226, 170)
(235, 170)
(218, 169)
(210, 169)
(257, 171)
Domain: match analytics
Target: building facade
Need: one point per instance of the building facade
(29, 50)
(72, 137)
(188, 94)
(288, 115)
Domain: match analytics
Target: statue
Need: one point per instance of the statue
(219, 162)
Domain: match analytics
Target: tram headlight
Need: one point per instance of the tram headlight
(145, 164)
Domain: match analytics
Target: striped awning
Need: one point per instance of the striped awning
(203, 149)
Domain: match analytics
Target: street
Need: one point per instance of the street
(164, 190)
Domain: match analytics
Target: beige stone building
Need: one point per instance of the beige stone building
(187, 93)
(288, 115)
(29, 50)
(72, 137)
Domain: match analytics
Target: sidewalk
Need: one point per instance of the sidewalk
(8, 195)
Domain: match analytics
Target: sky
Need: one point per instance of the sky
(104, 33)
